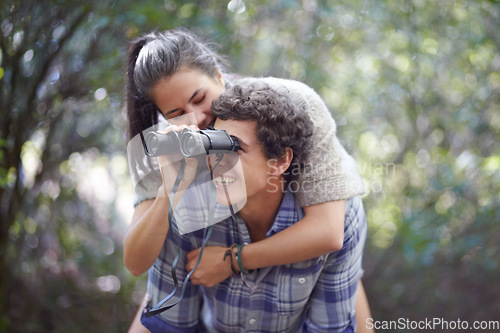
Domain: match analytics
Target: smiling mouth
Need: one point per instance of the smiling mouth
(223, 180)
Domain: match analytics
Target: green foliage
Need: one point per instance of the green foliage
(414, 88)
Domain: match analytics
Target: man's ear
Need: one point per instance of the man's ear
(282, 163)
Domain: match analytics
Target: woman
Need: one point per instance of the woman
(173, 73)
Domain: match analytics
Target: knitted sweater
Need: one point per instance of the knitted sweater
(329, 174)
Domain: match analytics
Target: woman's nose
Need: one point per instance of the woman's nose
(199, 115)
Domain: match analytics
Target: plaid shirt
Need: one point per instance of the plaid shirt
(316, 295)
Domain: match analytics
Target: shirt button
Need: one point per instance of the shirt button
(302, 280)
(252, 321)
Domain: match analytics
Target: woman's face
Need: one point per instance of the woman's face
(190, 93)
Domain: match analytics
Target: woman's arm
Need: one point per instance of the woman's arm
(149, 227)
(146, 235)
(320, 231)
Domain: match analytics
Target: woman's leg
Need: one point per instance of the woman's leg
(362, 310)
(136, 326)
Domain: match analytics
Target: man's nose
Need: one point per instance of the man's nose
(224, 160)
(217, 159)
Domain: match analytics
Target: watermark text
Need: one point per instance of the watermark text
(431, 324)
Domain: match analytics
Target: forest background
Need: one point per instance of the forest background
(413, 86)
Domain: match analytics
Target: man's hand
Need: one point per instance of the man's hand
(212, 269)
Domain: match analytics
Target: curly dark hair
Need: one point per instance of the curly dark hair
(280, 124)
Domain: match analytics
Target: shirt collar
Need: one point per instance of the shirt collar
(288, 213)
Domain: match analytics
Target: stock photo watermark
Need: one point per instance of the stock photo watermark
(432, 324)
(373, 174)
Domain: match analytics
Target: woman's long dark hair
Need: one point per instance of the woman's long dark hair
(159, 55)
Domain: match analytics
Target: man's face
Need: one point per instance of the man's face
(248, 177)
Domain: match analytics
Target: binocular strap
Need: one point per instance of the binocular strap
(159, 308)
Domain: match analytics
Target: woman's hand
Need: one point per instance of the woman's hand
(212, 269)
(170, 166)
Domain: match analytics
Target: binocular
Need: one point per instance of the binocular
(190, 143)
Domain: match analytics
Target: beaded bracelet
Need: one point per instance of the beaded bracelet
(229, 253)
(238, 259)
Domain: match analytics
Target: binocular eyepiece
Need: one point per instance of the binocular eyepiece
(190, 143)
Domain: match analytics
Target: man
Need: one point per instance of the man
(309, 296)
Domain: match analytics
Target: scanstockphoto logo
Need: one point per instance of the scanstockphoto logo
(369, 175)
(432, 324)
(374, 174)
